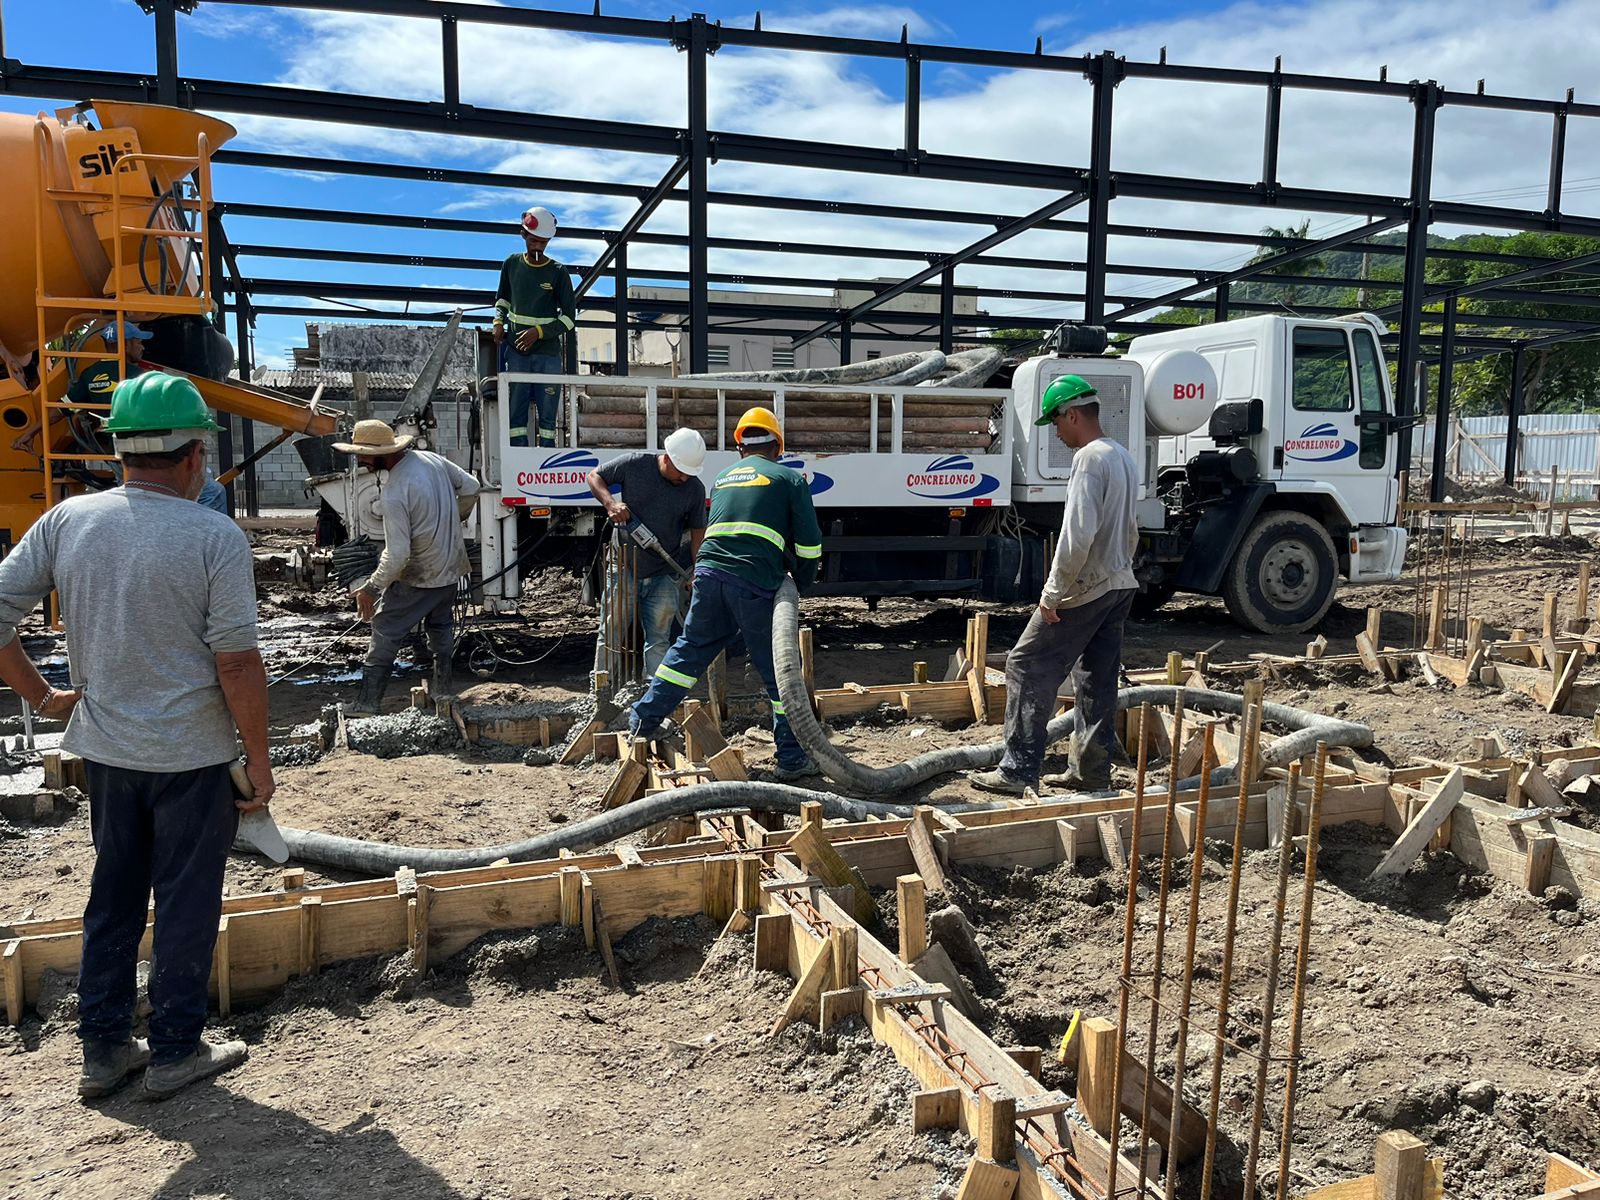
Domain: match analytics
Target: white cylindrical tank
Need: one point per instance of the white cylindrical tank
(1180, 390)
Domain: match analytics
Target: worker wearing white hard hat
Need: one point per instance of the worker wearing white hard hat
(534, 309)
(663, 501)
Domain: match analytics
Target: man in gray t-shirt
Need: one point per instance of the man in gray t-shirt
(158, 598)
(662, 492)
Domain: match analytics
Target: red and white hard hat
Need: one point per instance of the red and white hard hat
(540, 222)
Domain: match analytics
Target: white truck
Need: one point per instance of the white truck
(1267, 452)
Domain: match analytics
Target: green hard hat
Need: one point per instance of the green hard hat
(1063, 393)
(155, 412)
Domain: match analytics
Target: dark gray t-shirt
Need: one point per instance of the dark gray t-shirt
(668, 510)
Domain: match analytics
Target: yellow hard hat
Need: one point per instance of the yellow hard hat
(762, 419)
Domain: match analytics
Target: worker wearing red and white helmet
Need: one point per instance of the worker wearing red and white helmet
(535, 303)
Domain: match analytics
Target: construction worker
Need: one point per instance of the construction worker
(762, 526)
(98, 380)
(1078, 624)
(424, 498)
(535, 301)
(158, 598)
(664, 494)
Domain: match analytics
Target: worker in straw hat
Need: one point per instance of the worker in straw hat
(1077, 626)
(762, 527)
(534, 308)
(423, 498)
(158, 598)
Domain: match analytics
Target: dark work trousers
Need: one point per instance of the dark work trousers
(1087, 641)
(170, 831)
(719, 610)
(400, 608)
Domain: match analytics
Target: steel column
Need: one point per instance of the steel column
(1441, 414)
(1104, 73)
(1269, 149)
(219, 320)
(844, 342)
(699, 50)
(1558, 159)
(242, 323)
(913, 105)
(166, 13)
(622, 353)
(1426, 98)
(1513, 417)
(450, 44)
(947, 310)
(1219, 311)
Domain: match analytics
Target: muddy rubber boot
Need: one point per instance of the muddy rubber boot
(807, 769)
(210, 1058)
(374, 681)
(107, 1065)
(997, 781)
(443, 682)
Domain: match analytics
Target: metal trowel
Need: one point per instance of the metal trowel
(257, 829)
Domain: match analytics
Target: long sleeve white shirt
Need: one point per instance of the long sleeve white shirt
(1099, 528)
(422, 540)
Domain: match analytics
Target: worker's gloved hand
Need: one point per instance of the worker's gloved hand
(528, 338)
(499, 334)
(58, 705)
(619, 513)
(261, 782)
(366, 604)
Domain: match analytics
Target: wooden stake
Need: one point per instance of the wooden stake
(1436, 619)
(1096, 1059)
(1580, 606)
(997, 1127)
(419, 946)
(626, 784)
(11, 978)
(808, 665)
(1399, 1158)
(1174, 668)
(1552, 609)
(221, 963)
(717, 688)
(911, 897)
(810, 813)
(747, 882)
(717, 895)
(1369, 655)
(1540, 854)
(919, 838)
(1375, 626)
(987, 1180)
(978, 669)
(809, 988)
(571, 896)
(1111, 841)
(843, 944)
(310, 934)
(1422, 827)
(772, 941)
(919, 672)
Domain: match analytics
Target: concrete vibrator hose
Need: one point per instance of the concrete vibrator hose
(383, 858)
(1308, 728)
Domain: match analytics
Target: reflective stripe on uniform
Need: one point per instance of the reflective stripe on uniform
(777, 709)
(565, 320)
(734, 528)
(519, 319)
(518, 431)
(678, 677)
(807, 551)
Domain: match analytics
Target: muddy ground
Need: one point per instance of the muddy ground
(1430, 984)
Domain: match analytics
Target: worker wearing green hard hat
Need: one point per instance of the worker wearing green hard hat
(1069, 391)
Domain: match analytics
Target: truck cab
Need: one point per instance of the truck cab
(1267, 455)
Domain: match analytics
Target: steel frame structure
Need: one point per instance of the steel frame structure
(691, 149)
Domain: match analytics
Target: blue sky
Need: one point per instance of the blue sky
(1536, 47)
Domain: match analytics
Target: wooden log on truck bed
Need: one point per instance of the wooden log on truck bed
(820, 406)
(797, 425)
(828, 443)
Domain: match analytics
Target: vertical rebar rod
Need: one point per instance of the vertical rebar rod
(1249, 725)
(1269, 999)
(1196, 870)
(1159, 968)
(1125, 981)
(1313, 841)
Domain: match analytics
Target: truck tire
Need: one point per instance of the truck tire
(1148, 599)
(1283, 576)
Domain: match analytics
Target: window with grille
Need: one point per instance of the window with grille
(718, 356)
(782, 356)
(871, 354)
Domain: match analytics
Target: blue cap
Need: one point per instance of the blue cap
(137, 332)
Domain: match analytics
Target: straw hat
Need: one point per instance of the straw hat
(374, 437)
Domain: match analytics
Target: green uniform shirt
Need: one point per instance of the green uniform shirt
(97, 381)
(531, 295)
(759, 512)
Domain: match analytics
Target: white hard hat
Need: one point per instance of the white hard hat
(540, 222)
(686, 450)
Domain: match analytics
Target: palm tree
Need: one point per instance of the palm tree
(1311, 264)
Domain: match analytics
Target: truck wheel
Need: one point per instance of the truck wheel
(1283, 577)
(1150, 598)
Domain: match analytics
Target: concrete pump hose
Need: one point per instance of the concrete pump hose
(383, 858)
(1308, 728)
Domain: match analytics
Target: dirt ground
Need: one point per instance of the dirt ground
(1417, 989)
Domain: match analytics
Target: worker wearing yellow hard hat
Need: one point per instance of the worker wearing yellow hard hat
(762, 526)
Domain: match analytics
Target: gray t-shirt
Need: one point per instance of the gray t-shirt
(422, 540)
(152, 588)
(668, 510)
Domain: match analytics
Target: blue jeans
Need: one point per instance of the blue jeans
(170, 831)
(544, 398)
(719, 611)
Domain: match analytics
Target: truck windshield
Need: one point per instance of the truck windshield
(1321, 371)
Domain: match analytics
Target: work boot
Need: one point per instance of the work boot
(107, 1065)
(997, 781)
(444, 675)
(209, 1058)
(807, 769)
(1071, 781)
(374, 681)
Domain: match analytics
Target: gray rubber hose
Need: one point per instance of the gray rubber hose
(383, 858)
(1309, 728)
